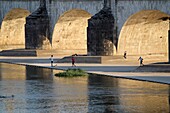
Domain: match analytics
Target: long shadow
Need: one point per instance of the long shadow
(28, 60)
(161, 63)
(155, 67)
(103, 68)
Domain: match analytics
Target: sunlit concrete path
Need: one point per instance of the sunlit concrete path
(122, 70)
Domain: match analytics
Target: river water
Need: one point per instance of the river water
(37, 90)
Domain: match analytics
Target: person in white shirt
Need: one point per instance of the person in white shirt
(141, 61)
(52, 60)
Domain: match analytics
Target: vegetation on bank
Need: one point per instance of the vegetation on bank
(72, 73)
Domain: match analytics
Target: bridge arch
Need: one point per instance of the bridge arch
(70, 32)
(144, 33)
(12, 35)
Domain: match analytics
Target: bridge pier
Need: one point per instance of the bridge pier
(37, 29)
(100, 32)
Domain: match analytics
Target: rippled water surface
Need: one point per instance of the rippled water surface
(36, 90)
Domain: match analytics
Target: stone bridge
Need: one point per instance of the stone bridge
(140, 25)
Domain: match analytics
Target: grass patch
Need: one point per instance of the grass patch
(72, 73)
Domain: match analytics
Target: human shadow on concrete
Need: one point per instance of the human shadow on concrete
(155, 67)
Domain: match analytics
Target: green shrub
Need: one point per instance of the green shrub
(72, 73)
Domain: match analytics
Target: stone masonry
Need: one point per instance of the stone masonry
(153, 33)
(37, 29)
(100, 33)
(12, 34)
(70, 32)
(145, 33)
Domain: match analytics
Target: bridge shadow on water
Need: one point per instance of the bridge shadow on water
(37, 90)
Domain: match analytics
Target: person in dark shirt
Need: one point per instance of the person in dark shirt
(125, 54)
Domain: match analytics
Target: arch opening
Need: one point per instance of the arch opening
(13, 29)
(70, 32)
(144, 33)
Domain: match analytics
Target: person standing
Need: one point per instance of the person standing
(73, 61)
(52, 60)
(141, 61)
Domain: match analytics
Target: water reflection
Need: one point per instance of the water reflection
(103, 94)
(10, 71)
(16, 72)
(28, 94)
(126, 96)
(39, 96)
(36, 90)
(38, 73)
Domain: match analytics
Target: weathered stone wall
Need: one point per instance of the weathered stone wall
(13, 29)
(147, 101)
(8, 5)
(37, 29)
(55, 8)
(100, 33)
(122, 9)
(145, 33)
(58, 7)
(70, 32)
(125, 8)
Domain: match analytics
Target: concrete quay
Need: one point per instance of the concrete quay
(159, 73)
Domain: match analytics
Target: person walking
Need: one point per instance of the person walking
(141, 61)
(124, 55)
(73, 61)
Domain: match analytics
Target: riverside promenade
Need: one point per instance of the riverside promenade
(159, 73)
